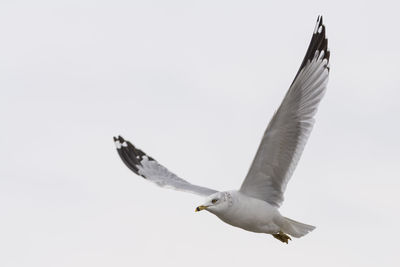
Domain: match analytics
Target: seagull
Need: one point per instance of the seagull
(254, 207)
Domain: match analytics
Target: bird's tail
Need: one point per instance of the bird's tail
(296, 229)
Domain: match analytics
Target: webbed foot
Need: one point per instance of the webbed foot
(282, 237)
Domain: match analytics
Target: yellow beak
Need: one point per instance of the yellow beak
(199, 208)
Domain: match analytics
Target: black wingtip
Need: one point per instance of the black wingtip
(130, 155)
(319, 43)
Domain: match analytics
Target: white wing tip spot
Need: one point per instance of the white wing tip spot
(317, 29)
(118, 144)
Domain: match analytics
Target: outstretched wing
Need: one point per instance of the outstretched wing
(151, 170)
(288, 131)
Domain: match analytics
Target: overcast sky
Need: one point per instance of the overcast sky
(193, 83)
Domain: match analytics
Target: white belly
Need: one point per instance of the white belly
(251, 214)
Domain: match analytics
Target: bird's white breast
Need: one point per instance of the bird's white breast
(249, 213)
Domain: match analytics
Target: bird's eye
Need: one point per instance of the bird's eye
(214, 201)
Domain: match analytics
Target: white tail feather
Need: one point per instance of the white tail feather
(296, 229)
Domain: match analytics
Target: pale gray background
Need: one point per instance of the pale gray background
(193, 83)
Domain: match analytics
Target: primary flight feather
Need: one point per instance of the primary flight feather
(254, 207)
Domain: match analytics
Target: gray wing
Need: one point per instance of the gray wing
(288, 131)
(151, 170)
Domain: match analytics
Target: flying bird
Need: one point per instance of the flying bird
(254, 207)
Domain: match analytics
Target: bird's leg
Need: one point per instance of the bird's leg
(282, 237)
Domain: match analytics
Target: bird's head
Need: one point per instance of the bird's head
(216, 203)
